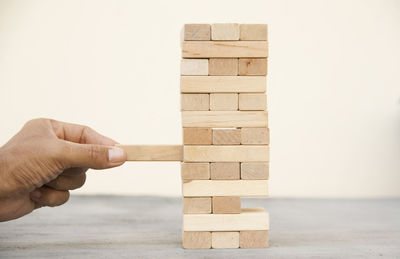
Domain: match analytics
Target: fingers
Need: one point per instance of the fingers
(79, 134)
(45, 196)
(70, 179)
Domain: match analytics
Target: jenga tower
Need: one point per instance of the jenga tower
(225, 134)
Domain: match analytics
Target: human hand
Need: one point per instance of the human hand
(46, 159)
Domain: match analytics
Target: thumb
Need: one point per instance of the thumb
(93, 156)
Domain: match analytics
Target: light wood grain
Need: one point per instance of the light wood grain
(242, 153)
(197, 32)
(225, 239)
(254, 171)
(226, 205)
(223, 66)
(253, 32)
(224, 119)
(226, 136)
(225, 171)
(248, 219)
(224, 102)
(196, 239)
(255, 136)
(253, 239)
(207, 188)
(252, 102)
(153, 153)
(197, 136)
(225, 31)
(197, 67)
(253, 66)
(198, 205)
(195, 171)
(223, 84)
(195, 102)
(224, 49)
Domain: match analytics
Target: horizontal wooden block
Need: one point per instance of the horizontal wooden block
(240, 153)
(254, 239)
(195, 102)
(253, 32)
(197, 32)
(225, 31)
(200, 205)
(223, 84)
(196, 67)
(223, 66)
(255, 136)
(226, 136)
(224, 102)
(224, 49)
(195, 171)
(225, 239)
(196, 239)
(226, 205)
(248, 219)
(253, 66)
(225, 171)
(254, 171)
(153, 153)
(252, 102)
(197, 136)
(224, 119)
(207, 188)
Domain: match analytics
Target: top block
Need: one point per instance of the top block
(196, 32)
(225, 31)
(253, 32)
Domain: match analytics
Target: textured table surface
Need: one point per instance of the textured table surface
(150, 227)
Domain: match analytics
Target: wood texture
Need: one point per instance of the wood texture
(207, 188)
(224, 119)
(224, 49)
(223, 66)
(226, 205)
(254, 239)
(153, 153)
(238, 153)
(197, 67)
(195, 171)
(223, 84)
(225, 171)
(197, 136)
(226, 136)
(253, 66)
(225, 31)
(254, 171)
(224, 102)
(196, 239)
(197, 32)
(248, 219)
(195, 102)
(225, 239)
(255, 136)
(253, 32)
(252, 102)
(201, 205)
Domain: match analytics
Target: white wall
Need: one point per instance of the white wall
(334, 85)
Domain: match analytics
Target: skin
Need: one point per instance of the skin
(45, 160)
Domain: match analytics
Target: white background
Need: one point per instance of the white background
(333, 85)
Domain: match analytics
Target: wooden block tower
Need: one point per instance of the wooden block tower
(225, 152)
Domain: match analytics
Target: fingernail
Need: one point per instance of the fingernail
(116, 155)
(36, 194)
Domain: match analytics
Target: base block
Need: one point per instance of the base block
(254, 239)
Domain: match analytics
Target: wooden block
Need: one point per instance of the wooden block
(223, 66)
(253, 66)
(195, 102)
(197, 32)
(224, 49)
(207, 188)
(195, 171)
(153, 153)
(225, 239)
(252, 102)
(226, 136)
(254, 171)
(254, 239)
(240, 153)
(248, 219)
(197, 136)
(196, 67)
(197, 205)
(225, 31)
(224, 102)
(223, 84)
(253, 32)
(196, 239)
(225, 171)
(255, 136)
(226, 205)
(224, 119)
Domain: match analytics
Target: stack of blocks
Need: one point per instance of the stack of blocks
(225, 135)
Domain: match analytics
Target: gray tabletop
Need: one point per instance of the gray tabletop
(150, 227)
